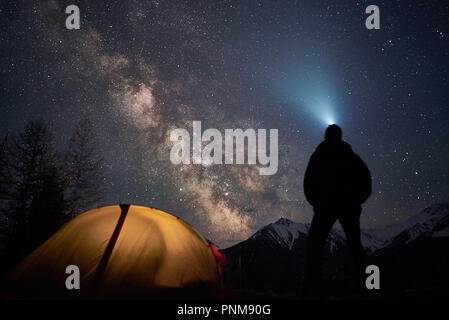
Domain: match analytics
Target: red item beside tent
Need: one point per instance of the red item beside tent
(221, 260)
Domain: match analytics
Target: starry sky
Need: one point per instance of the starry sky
(140, 69)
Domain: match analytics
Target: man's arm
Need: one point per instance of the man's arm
(310, 183)
(364, 178)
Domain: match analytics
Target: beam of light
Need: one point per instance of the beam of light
(316, 103)
(321, 109)
(311, 93)
(328, 117)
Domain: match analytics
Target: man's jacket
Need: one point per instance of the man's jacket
(336, 177)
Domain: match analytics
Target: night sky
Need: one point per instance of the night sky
(142, 68)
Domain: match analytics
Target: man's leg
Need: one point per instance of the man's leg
(350, 221)
(322, 222)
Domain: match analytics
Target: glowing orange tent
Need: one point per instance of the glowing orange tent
(124, 251)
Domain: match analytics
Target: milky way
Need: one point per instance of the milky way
(142, 69)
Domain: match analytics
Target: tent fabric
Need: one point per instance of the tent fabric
(154, 253)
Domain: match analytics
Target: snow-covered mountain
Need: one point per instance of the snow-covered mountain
(432, 221)
(284, 232)
(274, 257)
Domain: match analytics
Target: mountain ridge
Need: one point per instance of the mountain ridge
(273, 258)
(433, 219)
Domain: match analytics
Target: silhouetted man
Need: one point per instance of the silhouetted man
(336, 183)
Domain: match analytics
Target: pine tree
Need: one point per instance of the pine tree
(5, 182)
(36, 200)
(5, 178)
(83, 167)
(30, 156)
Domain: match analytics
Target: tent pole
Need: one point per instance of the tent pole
(99, 273)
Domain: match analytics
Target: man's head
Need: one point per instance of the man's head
(333, 133)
